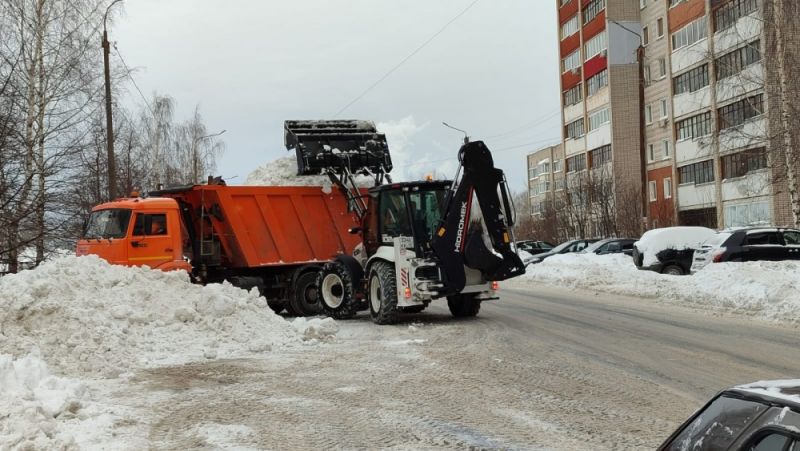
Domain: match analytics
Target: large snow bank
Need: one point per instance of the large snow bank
(283, 172)
(89, 317)
(678, 238)
(766, 289)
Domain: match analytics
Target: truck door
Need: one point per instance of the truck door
(151, 243)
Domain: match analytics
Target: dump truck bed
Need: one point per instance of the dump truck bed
(262, 226)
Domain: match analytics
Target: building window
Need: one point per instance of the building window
(597, 82)
(653, 191)
(645, 36)
(691, 81)
(673, 3)
(576, 163)
(648, 114)
(592, 9)
(600, 156)
(665, 146)
(728, 15)
(570, 27)
(747, 214)
(690, 34)
(572, 61)
(557, 166)
(664, 108)
(544, 167)
(734, 62)
(598, 118)
(667, 188)
(660, 26)
(575, 129)
(564, 2)
(694, 127)
(595, 45)
(651, 153)
(740, 164)
(573, 96)
(532, 173)
(662, 67)
(697, 173)
(740, 112)
(647, 76)
(560, 183)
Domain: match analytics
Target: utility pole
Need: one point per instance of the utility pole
(112, 164)
(195, 169)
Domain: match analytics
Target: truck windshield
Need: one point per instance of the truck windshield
(427, 209)
(111, 223)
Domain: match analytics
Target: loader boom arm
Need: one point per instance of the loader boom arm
(460, 242)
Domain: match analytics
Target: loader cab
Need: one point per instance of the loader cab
(136, 232)
(404, 209)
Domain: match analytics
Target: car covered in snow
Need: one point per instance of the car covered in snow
(749, 244)
(669, 250)
(563, 248)
(763, 416)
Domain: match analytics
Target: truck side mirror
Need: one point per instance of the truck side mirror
(354, 230)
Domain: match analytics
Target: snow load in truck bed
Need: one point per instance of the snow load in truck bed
(283, 172)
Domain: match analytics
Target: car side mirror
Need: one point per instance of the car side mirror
(354, 230)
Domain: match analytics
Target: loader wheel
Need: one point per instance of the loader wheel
(464, 305)
(336, 291)
(304, 298)
(382, 292)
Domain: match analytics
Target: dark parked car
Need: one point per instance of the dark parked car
(749, 244)
(764, 416)
(534, 247)
(669, 250)
(610, 246)
(563, 248)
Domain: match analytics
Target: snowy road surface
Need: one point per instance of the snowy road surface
(553, 369)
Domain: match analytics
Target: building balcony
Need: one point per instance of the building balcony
(752, 133)
(688, 56)
(754, 184)
(599, 137)
(599, 99)
(692, 196)
(750, 79)
(693, 149)
(747, 28)
(690, 102)
(573, 112)
(573, 146)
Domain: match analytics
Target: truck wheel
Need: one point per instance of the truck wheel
(276, 305)
(305, 295)
(336, 291)
(382, 290)
(464, 305)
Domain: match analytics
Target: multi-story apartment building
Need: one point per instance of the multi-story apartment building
(545, 178)
(671, 97)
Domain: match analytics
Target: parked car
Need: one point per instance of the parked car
(534, 247)
(610, 246)
(763, 416)
(669, 250)
(563, 248)
(749, 244)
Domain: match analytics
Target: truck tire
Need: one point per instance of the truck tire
(276, 305)
(464, 305)
(336, 291)
(304, 297)
(382, 293)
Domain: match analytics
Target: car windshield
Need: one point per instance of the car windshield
(561, 247)
(594, 246)
(111, 223)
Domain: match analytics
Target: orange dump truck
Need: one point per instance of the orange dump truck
(274, 238)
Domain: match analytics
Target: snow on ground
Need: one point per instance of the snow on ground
(76, 326)
(765, 289)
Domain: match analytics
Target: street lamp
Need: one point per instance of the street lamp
(112, 164)
(194, 152)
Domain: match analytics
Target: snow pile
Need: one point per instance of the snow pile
(316, 329)
(89, 317)
(678, 238)
(35, 404)
(283, 172)
(766, 289)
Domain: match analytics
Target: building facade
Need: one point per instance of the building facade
(545, 178)
(671, 100)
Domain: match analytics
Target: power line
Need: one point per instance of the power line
(129, 73)
(528, 125)
(403, 61)
(503, 149)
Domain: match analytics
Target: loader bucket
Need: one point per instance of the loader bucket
(329, 146)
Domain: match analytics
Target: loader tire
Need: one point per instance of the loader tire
(464, 305)
(337, 291)
(382, 293)
(304, 297)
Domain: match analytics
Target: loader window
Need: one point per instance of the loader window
(427, 206)
(394, 216)
(150, 225)
(111, 223)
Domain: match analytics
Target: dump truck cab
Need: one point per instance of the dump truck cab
(136, 232)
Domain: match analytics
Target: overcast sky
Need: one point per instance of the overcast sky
(251, 64)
